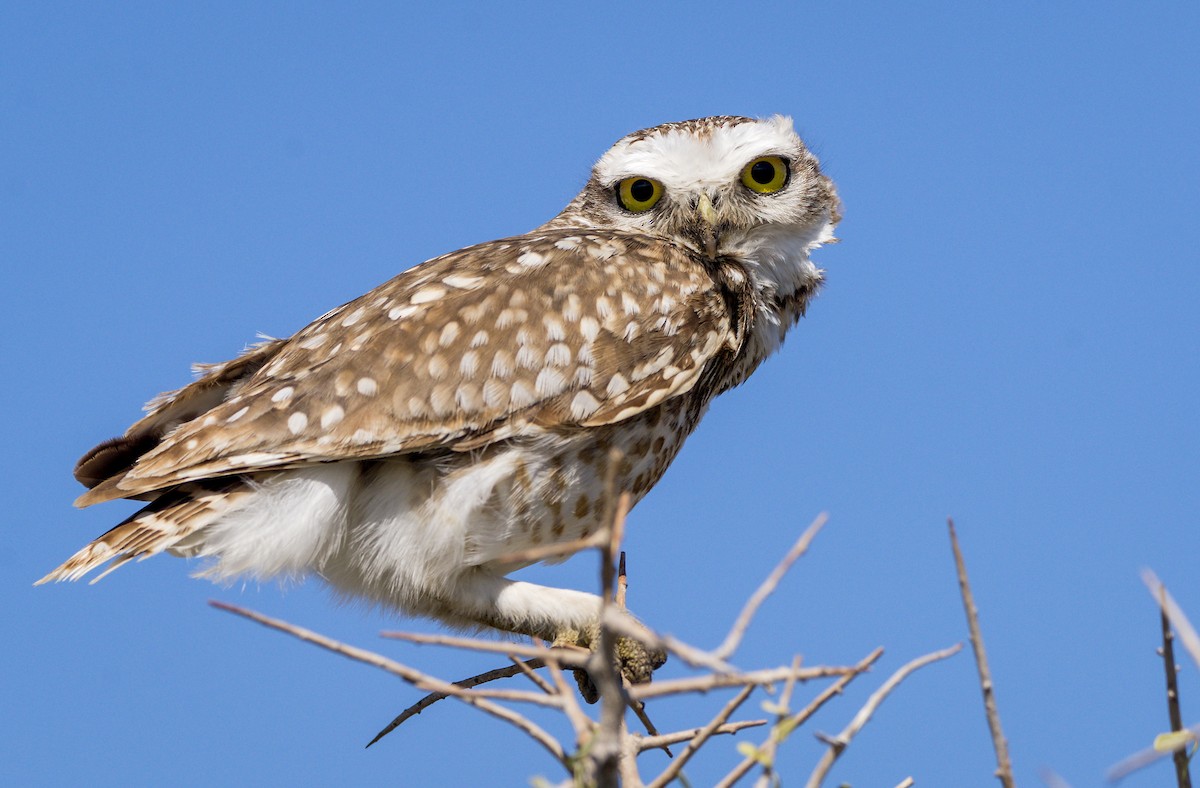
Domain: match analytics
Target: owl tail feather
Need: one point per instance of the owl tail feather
(169, 519)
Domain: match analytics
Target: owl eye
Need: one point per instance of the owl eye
(638, 194)
(765, 175)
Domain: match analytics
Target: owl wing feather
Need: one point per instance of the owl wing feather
(558, 329)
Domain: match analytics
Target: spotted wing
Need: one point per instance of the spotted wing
(555, 330)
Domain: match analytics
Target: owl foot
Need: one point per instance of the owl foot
(635, 660)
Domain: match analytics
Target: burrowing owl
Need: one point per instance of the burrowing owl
(402, 444)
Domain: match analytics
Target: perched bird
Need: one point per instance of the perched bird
(400, 446)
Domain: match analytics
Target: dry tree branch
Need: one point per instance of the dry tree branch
(999, 743)
(697, 741)
(742, 623)
(526, 667)
(557, 550)
(414, 677)
(766, 752)
(662, 740)
(714, 681)
(639, 708)
(802, 716)
(1187, 633)
(1052, 779)
(562, 655)
(1143, 758)
(467, 683)
(605, 752)
(1179, 740)
(580, 722)
(1183, 776)
(838, 744)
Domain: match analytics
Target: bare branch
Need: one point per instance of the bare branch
(802, 716)
(414, 677)
(527, 667)
(718, 680)
(473, 681)
(1143, 758)
(1187, 633)
(606, 749)
(742, 623)
(701, 736)
(1179, 740)
(1052, 779)
(778, 731)
(656, 742)
(1183, 776)
(580, 722)
(568, 657)
(557, 550)
(999, 743)
(639, 708)
(838, 743)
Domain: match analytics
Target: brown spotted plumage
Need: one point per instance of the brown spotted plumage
(402, 444)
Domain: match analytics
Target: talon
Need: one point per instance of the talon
(636, 661)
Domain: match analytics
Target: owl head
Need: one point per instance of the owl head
(720, 185)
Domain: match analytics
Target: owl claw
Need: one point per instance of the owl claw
(635, 660)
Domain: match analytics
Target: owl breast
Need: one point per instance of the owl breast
(404, 530)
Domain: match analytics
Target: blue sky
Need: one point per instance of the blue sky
(1009, 335)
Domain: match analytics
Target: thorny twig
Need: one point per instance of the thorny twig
(1181, 739)
(416, 678)
(802, 716)
(999, 743)
(474, 681)
(837, 744)
(605, 752)
(1183, 776)
(742, 623)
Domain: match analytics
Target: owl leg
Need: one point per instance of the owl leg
(558, 615)
(635, 660)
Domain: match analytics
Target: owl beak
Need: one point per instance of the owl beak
(708, 224)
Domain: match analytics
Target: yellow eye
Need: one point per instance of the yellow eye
(765, 175)
(638, 194)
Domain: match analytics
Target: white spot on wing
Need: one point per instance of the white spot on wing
(520, 396)
(237, 415)
(528, 357)
(559, 355)
(313, 342)
(427, 294)
(462, 281)
(550, 382)
(583, 404)
(469, 364)
(438, 367)
(617, 385)
(554, 328)
(283, 394)
(367, 387)
(297, 422)
(332, 416)
(449, 334)
(531, 259)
